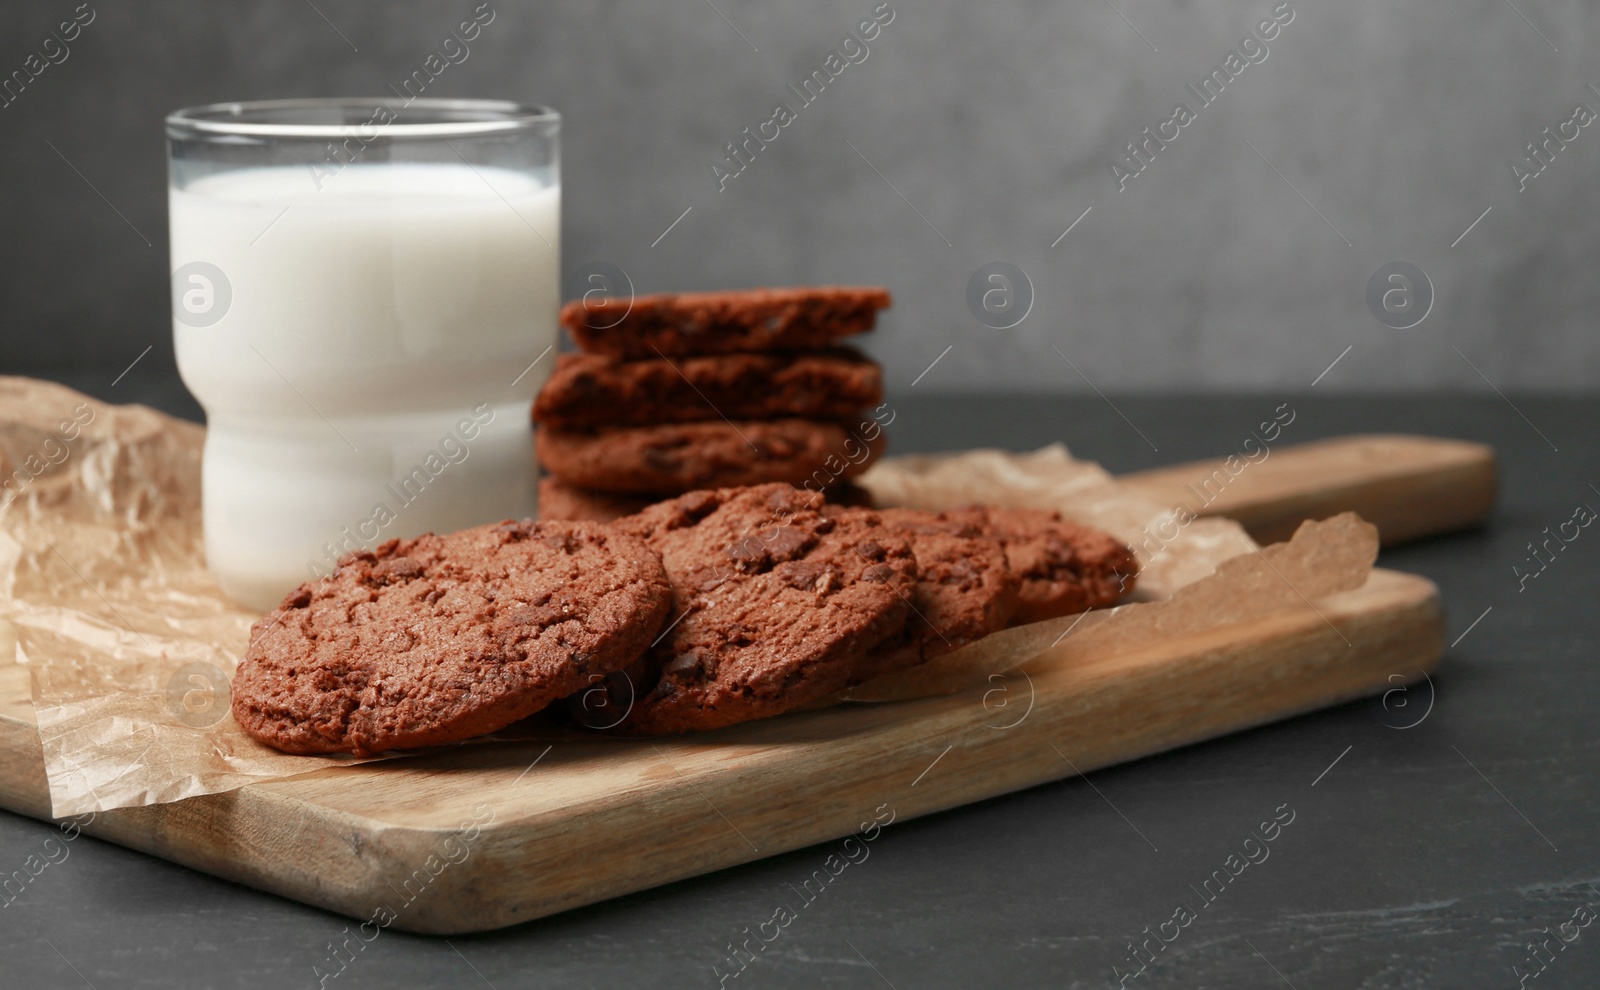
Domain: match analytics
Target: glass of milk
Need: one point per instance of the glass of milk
(364, 301)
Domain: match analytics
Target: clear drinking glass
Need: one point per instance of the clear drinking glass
(364, 292)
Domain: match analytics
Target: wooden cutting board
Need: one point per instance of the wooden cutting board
(486, 836)
(1407, 486)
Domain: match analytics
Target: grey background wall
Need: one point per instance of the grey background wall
(1380, 130)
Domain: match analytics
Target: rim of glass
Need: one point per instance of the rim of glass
(244, 117)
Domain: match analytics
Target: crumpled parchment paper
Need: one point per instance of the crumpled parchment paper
(104, 589)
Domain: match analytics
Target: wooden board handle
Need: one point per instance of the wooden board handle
(1408, 486)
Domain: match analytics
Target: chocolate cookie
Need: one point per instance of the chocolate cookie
(775, 604)
(848, 493)
(681, 457)
(1064, 567)
(965, 589)
(798, 318)
(587, 390)
(439, 638)
(559, 500)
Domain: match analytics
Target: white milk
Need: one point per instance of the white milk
(359, 385)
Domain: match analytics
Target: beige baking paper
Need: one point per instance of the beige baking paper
(103, 584)
(128, 642)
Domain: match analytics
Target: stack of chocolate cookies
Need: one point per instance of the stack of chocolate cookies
(680, 392)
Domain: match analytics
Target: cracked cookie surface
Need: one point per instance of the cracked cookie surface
(965, 589)
(775, 604)
(1063, 566)
(681, 457)
(588, 390)
(440, 638)
(673, 323)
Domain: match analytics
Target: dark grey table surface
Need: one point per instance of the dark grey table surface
(1436, 855)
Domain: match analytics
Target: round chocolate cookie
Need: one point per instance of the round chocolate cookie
(559, 500)
(965, 589)
(680, 457)
(775, 604)
(1064, 567)
(586, 391)
(848, 493)
(440, 638)
(798, 317)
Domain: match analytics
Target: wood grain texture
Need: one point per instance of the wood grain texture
(580, 818)
(1408, 486)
